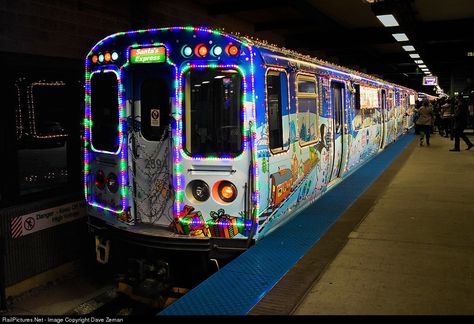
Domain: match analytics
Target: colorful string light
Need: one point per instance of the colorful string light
(31, 107)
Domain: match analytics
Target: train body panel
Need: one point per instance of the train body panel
(220, 137)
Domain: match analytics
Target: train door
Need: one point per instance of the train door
(278, 136)
(150, 140)
(383, 118)
(337, 108)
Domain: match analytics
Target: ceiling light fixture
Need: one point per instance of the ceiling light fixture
(414, 55)
(419, 61)
(408, 48)
(400, 37)
(388, 20)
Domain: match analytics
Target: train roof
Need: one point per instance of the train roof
(293, 55)
(261, 45)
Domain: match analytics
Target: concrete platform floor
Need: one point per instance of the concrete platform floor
(413, 253)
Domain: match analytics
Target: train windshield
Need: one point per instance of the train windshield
(104, 110)
(212, 112)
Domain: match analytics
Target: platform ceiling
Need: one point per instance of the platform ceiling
(347, 32)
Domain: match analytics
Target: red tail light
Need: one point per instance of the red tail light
(232, 50)
(99, 180)
(201, 50)
(227, 191)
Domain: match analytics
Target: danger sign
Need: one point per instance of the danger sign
(155, 118)
(46, 218)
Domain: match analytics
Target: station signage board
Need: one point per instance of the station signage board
(156, 54)
(47, 218)
(430, 80)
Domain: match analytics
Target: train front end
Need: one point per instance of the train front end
(169, 158)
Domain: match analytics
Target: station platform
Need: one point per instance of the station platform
(394, 238)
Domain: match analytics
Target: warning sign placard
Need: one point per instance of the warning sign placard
(155, 117)
(46, 218)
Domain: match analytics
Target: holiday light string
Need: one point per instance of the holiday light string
(121, 150)
(18, 115)
(31, 107)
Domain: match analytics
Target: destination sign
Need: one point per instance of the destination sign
(148, 55)
(430, 80)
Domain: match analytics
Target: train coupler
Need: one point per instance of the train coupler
(102, 250)
(145, 281)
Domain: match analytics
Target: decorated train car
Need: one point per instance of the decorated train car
(202, 142)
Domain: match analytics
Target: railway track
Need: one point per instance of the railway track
(121, 302)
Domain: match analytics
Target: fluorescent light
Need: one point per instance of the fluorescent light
(414, 55)
(419, 61)
(388, 20)
(422, 66)
(400, 37)
(408, 48)
(426, 72)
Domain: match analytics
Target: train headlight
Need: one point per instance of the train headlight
(200, 190)
(99, 180)
(112, 182)
(227, 191)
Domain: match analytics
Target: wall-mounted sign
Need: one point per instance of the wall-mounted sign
(155, 118)
(46, 218)
(155, 54)
(430, 80)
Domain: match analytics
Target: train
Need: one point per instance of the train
(202, 142)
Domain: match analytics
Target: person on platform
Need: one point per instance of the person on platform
(424, 121)
(446, 119)
(460, 121)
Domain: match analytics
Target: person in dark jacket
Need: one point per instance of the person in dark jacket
(460, 121)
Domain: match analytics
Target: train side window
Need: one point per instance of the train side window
(277, 107)
(213, 112)
(307, 100)
(337, 96)
(390, 99)
(358, 121)
(104, 111)
(369, 102)
(155, 109)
